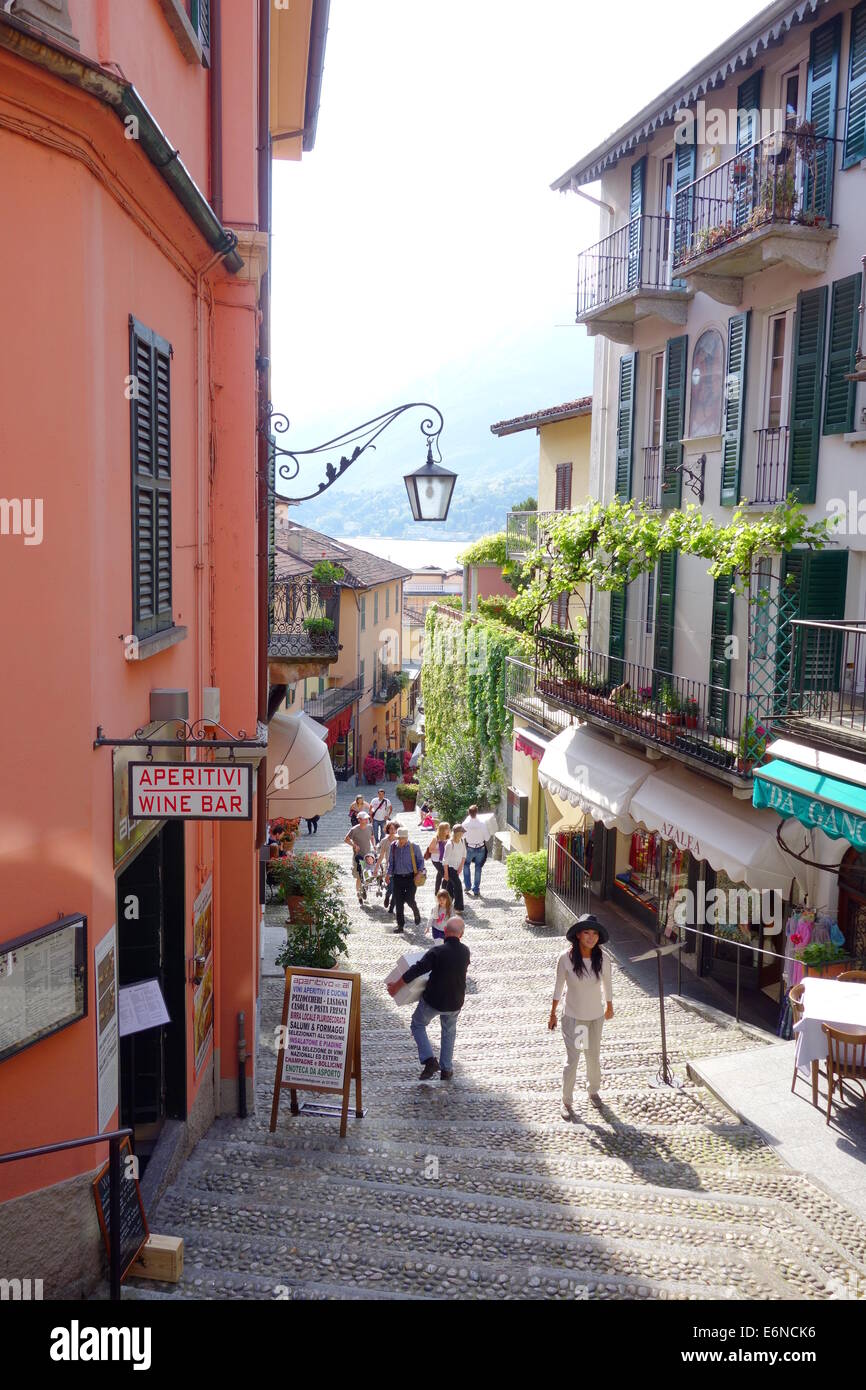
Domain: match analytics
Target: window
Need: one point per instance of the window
(791, 89)
(363, 612)
(650, 601)
(657, 399)
(150, 439)
(376, 608)
(387, 603)
(396, 598)
(199, 18)
(559, 612)
(666, 191)
(777, 372)
(361, 673)
(761, 604)
(563, 487)
(707, 383)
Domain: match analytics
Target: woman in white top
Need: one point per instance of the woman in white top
(452, 862)
(583, 973)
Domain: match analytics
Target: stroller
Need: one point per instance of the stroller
(372, 877)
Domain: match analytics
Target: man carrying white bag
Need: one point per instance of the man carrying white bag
(442, 971)
(411, 993)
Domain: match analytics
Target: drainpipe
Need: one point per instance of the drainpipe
(216, 110)
(263, 365)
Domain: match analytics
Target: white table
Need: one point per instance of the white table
(841, 1004)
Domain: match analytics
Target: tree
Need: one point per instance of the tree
(529, 504)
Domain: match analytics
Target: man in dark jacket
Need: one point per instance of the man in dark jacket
(446, 965)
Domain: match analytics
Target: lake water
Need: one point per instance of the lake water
(412, 554)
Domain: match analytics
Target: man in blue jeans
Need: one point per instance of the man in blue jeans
(476, 850)
(446, 965)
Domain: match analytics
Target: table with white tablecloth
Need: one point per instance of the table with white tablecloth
(840, 1003)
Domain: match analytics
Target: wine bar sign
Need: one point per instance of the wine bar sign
(190, 791)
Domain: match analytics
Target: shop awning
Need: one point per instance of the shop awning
(590, 772)
(530, 744)
(704, 818)
(320, 730)
(310, 786)
(814, 798)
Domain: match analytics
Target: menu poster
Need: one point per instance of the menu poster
(105, 963)
(43, 983)
(142, 1006)
(317, 1032)
(202, 1016)
(202, 918)
(202, 936)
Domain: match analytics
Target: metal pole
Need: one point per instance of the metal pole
(114, 1216)
(242, 1066)
(664, 1075)
(739, 958)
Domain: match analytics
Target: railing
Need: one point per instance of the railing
(566, 876)
(521, 533)
(634, 257)
(711, 723)
(827, 676)
(771, 469)
(331, 702)
(522, 697)
(295, 602)
(387, 683)
(652, 475)
(114, 1138)
(415, 617)
(785, 178)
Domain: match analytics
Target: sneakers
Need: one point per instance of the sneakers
(431, 1068)
(445, 1075)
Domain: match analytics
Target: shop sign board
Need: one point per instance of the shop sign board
(190, 791)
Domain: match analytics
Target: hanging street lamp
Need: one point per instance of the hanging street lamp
(430, 490)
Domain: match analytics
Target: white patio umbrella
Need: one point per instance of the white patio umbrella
(301, 780)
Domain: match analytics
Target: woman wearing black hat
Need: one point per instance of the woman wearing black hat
(584, 974)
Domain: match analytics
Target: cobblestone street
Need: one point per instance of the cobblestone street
(659, 1195)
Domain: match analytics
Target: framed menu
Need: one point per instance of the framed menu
(43, 983)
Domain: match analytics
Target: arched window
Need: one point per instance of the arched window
(708, 373)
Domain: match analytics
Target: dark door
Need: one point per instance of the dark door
(852, 904)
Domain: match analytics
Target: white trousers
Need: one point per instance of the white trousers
(581, 1036)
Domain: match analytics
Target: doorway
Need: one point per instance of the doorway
(852, 904)
(150, 935)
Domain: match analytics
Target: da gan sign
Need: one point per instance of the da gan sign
(190, 791)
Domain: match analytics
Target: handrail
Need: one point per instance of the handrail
(113, 1138)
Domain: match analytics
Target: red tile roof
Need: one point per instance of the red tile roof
(567, 411)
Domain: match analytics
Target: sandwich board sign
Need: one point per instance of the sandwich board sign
(319, 1039)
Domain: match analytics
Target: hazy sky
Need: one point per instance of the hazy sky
(418, 251)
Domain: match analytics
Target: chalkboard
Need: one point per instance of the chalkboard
(133, 1222)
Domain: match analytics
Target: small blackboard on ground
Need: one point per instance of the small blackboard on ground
(133, 1222)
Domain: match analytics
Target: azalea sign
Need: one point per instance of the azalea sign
(190, 791)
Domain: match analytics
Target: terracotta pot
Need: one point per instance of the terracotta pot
(534, 909)
(831, 970)
(407, 804)
(691, 721)
(297, 911)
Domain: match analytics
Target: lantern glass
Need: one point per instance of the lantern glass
(430, 489)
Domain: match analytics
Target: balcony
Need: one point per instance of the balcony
(652, 476)
(690, 719)
(524, 531)
(522, 697)
(296, 608)
(771, 467)
(387, 683)
(826, 699)
(627, 277)
(770, 204)
(330, 702)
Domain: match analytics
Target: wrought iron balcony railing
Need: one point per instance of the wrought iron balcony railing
(827, 679)
(522, 697)
(524, 531)
(300, 613)
(330, 702)
(784, 179)
(771, 466)
(652, 476)
(633, 258)
(387, 683)
(713, 724)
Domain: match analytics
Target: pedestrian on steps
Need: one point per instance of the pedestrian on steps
(476, 850)
(435, 852)
(583, 974)
(404, 862)
(453, 861)
(446, 964)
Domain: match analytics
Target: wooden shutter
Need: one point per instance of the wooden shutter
(806, 379)
(823, 579)
(665, 608)
(150, 437)
(855, 119)
(676, 357)
(635, 223)
(748, 102)
(821, 96)
(563, 487)
(841, 353)
(684, 174)
(559, 611)
(200, 19)
(734, 408)
(721, 623)
(625, 424)
(616, 638)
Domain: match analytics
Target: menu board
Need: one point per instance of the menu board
(43, 983)
(317, 1032)
(202, 1009)
(133, 1222)
(105, 961)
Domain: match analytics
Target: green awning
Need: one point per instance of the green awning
(836, 807)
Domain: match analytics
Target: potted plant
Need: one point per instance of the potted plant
(319, 630)
(824, 959)
(751, 744)
(317, 944)
(408, 794)
(527, 875)
(306, 881)
(374, 770)
(691, 710)
(393, 765)
(326, 577)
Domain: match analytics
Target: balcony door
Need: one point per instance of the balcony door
(666, 211)
(772, 450)
(652, 452)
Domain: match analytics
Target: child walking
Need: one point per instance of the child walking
(439, 914)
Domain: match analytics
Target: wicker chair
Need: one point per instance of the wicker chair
(795, 996)
(841, 1064)
(853, 977)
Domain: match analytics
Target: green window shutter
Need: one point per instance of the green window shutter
(676, 358)
(684, 174)
(734, 407)
(748, 103)
(363, 612)
(616, 640)
(841, 353)
(855, 120)
(663, 659)
(821, 97)
(625, 424)
(375, 607)
(150, 438)
(822, 579)
(635, 221)
(806, 381)
(720, 663)
(200, 20)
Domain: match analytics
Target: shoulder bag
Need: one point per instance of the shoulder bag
(420, 874)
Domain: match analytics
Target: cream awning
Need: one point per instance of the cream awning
(704, 818)
(309, 787)
(588, 771)
(320, 730)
